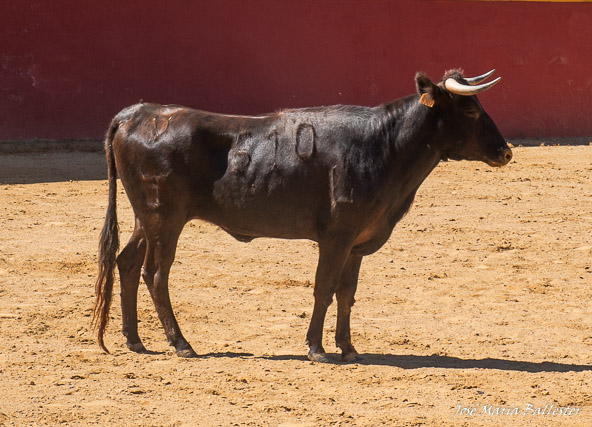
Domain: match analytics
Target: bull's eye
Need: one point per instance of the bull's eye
(472, 113)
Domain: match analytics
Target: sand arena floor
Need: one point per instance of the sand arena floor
(481, 298)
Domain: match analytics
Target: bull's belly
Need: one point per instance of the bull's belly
(247, 215)
(246, 225)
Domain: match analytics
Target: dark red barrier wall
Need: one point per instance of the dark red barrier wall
(67, 67)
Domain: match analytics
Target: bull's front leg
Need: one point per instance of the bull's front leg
(333, 255)
(345, 300)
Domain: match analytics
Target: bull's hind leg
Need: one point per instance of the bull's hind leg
(129, 263)
(160, 254)
(346, 290)
(332, 257)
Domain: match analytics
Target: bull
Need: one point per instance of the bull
(342, 176)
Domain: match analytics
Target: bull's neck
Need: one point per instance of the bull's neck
(412, 137)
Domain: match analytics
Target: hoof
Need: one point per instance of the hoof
(352, 356)
(187, 353)
(319, 357)
(137, 347)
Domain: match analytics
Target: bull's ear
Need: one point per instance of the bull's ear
(428, 91)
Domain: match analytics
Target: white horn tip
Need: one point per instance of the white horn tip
(478, 79)
(461, 89)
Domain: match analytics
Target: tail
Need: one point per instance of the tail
(108, 246)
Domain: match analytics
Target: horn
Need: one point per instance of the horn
(476, 80)
(461, 89)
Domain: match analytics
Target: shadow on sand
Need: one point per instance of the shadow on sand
(448, 362)
(52, 167)
(407, 361)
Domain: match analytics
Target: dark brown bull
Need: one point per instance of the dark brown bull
(342, 176)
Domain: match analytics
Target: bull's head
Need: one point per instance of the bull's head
(465, 131)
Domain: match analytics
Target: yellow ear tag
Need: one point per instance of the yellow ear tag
(427, 100)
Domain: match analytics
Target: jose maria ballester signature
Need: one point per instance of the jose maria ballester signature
(527, 410)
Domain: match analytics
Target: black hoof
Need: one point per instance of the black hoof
(319, 357)
(187, 353)
(137, 347)
(352, 356)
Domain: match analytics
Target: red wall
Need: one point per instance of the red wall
(66, 67)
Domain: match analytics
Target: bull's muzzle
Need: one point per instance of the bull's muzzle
(502, 159)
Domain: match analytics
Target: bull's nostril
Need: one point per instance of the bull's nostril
(507, 155)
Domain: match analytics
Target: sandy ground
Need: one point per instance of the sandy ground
(480, 299)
